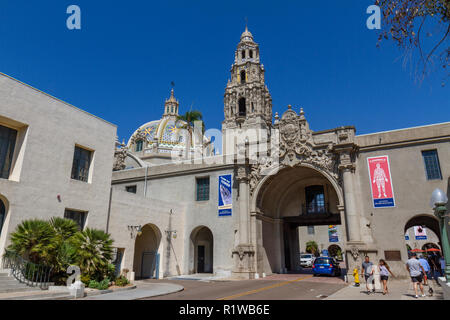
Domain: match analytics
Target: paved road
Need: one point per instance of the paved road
(276, 287)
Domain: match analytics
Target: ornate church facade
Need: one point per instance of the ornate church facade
(175, 207)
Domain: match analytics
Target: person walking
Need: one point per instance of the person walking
(433, 267)
(442, 263)
(367, 272)
(384, 274)
(426, 267)
(415, 271)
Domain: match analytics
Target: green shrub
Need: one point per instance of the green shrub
(85, 279)
(121, 281)
(104, 284)
(93, 284)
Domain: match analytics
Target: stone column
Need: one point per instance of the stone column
(244, 253)
(352, 216)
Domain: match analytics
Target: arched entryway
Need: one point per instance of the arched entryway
(3, 212)
(421, 233)
(146, 257)
(335, 251)
(429, 245)
(293, 197)
(201, 250)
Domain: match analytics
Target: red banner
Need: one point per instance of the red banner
(381, 182)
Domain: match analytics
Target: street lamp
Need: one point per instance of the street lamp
(438, 203)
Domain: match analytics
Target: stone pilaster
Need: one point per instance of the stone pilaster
(244, 253)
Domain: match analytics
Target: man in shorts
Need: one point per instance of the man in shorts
(415, 270)
(367, 272)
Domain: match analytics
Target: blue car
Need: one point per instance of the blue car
(326, 265)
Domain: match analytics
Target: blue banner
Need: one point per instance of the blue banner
(333, 234)
(225, 195)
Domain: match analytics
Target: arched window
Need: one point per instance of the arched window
(242, 108)
(250, 53)
(243, 54)
(2, 214)
(243, 76)
(139, 145)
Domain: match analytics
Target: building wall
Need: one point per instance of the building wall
(173, 187)
(384, 228)
(320, 236)
(49, 129)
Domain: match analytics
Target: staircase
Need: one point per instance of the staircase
(9, 284)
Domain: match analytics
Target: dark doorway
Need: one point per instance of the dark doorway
(201, 259)
(149, 265)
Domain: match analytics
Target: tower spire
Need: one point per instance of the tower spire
(171, 105)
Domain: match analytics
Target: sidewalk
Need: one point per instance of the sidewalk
(143, 290)
(398, 290)
(138, 291)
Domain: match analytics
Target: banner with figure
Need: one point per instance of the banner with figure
(381, 182)
(420, 233)
(333, 234)
(225, 195)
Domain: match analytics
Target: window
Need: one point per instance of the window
(242, 108)
(202, 189)
(311, 230)
(243, 77)
(139, 145)
(7, 144)
(78, 216)
(315, 199)
(243, 54)
(250, 53)
(432, 167)
(131, 189)
(81, 164)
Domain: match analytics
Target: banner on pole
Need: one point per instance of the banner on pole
(381, 182)
(225, 195)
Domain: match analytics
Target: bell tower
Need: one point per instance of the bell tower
(247, 100)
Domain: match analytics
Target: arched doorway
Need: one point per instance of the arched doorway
(429, 245)
(202, 250)
(146, 257)
(335, 251)
(293, 197)
(2, 214)
(421, 233)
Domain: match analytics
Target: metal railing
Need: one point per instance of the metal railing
(29, 273)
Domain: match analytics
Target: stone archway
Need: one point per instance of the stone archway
(426, 220)
(335, 251)
(281, 201)
(146, 257)
(201, 251)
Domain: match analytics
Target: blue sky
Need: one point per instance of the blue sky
(318, 55)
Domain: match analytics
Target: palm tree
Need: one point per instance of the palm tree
(32, 239)
(312, 247)
(63, 228)
(190, 117)
(94, 251)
